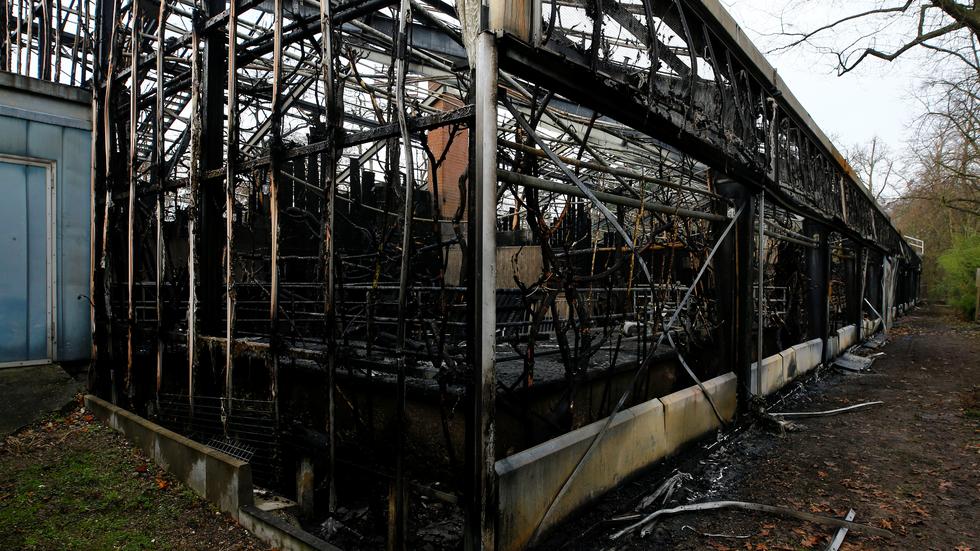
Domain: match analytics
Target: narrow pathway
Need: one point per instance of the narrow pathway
(911, 465)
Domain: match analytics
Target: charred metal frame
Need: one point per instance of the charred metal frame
(536, 194)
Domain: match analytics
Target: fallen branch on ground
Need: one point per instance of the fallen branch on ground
(825, 413)
(666, 490)
(708, 535)
(774, 509)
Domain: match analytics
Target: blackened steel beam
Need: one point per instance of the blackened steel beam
(415, 125)
(274, 176)
(231, 168)
(160, 176)
(761, 285)
(329, 179)
(399, 520)
(212, 154)
(134, 86)
(861, 274)
(610, 198)
(212, 23)
(818, 282)
(735, 281)
(193, 200)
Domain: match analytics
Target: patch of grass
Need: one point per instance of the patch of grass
(83, 491)
(80, 499)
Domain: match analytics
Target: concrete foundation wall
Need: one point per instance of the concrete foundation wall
(773, 375)
(790, 370)
(221, 479)
(688, 415)
(218, 477)
(831, 349)
(809, 355)
(637, 438)
(278, 533)
(779, 369)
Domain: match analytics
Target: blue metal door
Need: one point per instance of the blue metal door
(24, 258)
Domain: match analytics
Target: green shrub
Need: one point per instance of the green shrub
(959, 264)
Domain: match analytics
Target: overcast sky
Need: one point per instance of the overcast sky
(875, 99)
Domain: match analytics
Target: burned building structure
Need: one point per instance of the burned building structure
(395, 252)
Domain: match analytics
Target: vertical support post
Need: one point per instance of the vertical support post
(20, 22)
(212, 154)
(99, 177)
(399, 520)
(330, 197)
(735, 285)
(482, 499)
(194, 177)
(818, 267)
(860, 275)
(5, 6)
(29, 39)
(158, 164)
(105, 67)
(230, 180)
(86, 44)
(55, 73)
(105, 16)
(274, 206)
(134, 87)
(761, 309)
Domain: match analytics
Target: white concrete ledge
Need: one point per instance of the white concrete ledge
(688, 415)
(847, 336)
(637, 438)
(790, 370)
(218, 477)
(280, 534)
(773, 375)
(529, 480)
(221, 479)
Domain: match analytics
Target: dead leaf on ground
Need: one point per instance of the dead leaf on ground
(810, 541)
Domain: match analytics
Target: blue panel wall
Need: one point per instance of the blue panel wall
(70, 148)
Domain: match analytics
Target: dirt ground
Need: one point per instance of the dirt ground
(70, 482)
(909, 465)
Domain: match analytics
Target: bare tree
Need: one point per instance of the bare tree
(948, 139)
(887, 29)
(877, 166)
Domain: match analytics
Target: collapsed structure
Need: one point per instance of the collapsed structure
(378, 248)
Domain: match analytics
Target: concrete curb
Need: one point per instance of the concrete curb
(637, 438)
(218, 477)
(278, 533)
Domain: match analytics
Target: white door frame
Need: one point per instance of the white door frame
(51, 209)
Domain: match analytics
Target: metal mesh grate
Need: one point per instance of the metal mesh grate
(252, 433)
(234, 448)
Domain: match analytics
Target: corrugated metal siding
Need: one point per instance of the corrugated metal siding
(70, 148)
